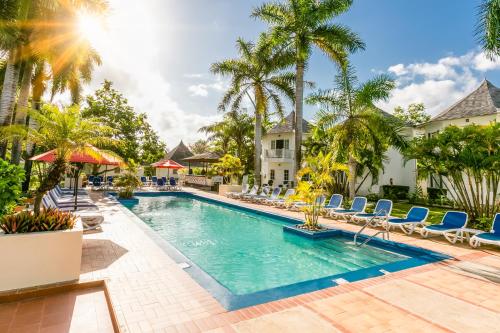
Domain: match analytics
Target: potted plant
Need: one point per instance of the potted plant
(47, 247)
(128, 183)
(313, 181)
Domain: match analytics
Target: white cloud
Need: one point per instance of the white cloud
(193, 76)
(202, 89)
(483, 64)
(131, 58)
(438, 85)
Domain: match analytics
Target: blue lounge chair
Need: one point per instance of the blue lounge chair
(382, 211)
(264, 193)
(160, 184)
(279, 201)
(244, 190)
(274, 195)
(415, 218)
(97, 183)
(320, 201)
(174, 185)
(358, 205)
(492, 237)
(334, 203)
(451, 227)
(91, 179)
(47, 202)
(144, 181)
(253, 192)
(154, 181)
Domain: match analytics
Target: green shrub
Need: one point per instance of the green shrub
(395, 192)
(47, 220)
(436, 193)
(372, 197)
(11, 178)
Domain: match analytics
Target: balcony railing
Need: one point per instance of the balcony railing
(279, 153)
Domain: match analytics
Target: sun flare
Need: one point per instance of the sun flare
(90, 27)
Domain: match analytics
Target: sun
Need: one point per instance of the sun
(90, 26)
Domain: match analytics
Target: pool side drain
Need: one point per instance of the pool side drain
(184, 265)
(383, 271)
(340, 281)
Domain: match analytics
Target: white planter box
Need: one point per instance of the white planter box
(223, 189)
(39, 258)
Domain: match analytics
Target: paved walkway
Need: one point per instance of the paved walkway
(151, 293)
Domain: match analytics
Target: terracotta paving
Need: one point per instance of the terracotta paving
(84, 311)
(151, 293)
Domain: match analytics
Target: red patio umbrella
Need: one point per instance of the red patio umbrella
(167, 164)
(90, 154)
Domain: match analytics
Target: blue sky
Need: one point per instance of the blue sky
(158, 53)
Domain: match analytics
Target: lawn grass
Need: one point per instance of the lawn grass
(400, 209)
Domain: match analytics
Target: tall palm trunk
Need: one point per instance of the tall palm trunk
(30, 148)
(258, 147)
(299, 104)
(8, 96)
(352, 176)
(22, 110)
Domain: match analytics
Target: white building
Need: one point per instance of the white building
(278, 153)
(480, 107)
(278, 160)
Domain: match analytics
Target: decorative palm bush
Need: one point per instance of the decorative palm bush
(318, 170)
(46, 220)
(128, 182)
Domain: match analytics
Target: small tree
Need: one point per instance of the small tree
(318, 170)
(128, 182)
(229, 167)
(414, 115)
(11, 177)
(468, 161)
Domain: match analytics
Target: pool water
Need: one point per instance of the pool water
(247, 252)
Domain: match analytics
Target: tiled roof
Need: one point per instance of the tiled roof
(286, 126)
(485, 100)
(179, 153)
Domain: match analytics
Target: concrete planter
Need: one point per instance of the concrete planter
(40, 258)
(223, 189)
(310, 234)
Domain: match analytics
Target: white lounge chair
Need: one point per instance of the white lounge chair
(416, 217)
(244, 190)
(492, 237)
(279, 201)
(451, 227)
(358, 205)
(382, 211)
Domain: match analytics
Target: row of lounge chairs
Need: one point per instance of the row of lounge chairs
(63, 199)
(452, 227)
(162, 184)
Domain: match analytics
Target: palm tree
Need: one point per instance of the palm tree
(354, 123)
(70, 56)
(66, 131)
(300, 25)
(257, 75)
(233, 135)
(488, 27)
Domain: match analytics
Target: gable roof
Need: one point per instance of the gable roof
(286, 126)
(485, 100)
(179, 153)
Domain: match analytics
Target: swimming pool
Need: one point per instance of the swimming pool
(243, 257)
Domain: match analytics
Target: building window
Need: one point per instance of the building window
(467, 120)
(286, 175)
(280, 144)
(272, 174)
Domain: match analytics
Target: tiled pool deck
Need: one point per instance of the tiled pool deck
(151, 293)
